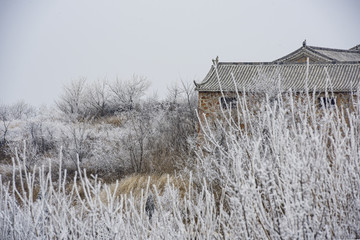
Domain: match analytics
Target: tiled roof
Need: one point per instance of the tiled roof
(338, 54)
(355, 48)
(321, 54)
(339, 77)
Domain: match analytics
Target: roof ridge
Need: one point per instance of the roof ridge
(313, 50)
(302, 49)
(292, 63)
(332, 49)
(316, 51)
(355, 48)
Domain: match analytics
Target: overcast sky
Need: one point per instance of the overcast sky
(45, 44)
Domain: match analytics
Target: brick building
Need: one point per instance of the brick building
(328, 69)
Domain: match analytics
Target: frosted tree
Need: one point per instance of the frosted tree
(126, 94)
(71, 102)
(97, 99)
(283, 171)
(288, 170)
(5, 118)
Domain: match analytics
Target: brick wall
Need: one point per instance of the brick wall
(209, 103)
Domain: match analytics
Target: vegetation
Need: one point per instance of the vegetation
(133, 169)
(109, 127)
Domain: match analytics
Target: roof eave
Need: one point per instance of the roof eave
(296, 91)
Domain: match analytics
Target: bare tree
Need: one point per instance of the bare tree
(71, 101)
(126, 94)
(174, 125)
(190, 96)
(98, 98)
(137, 140)
(6, 120)
(76, 142)
(21, 109)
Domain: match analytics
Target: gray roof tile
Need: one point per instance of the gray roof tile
(339, 77)
(338, 54)
(320, 54)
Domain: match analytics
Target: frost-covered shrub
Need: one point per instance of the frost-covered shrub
(38, 135)
(35, 206)
(286, 169)
(173, 123)
(21, 110)
(286, 172)
(109, 156)
(278, 169)
(76, 141)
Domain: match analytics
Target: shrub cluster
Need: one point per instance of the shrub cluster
(108, 127)
(278, 169)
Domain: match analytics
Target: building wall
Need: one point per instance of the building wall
(209, 103)
(209, 106)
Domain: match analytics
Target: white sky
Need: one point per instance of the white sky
(45, 44)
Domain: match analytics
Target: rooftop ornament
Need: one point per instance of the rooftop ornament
(215, 61)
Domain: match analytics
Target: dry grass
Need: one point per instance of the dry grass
(116, 121)
(137, 183)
